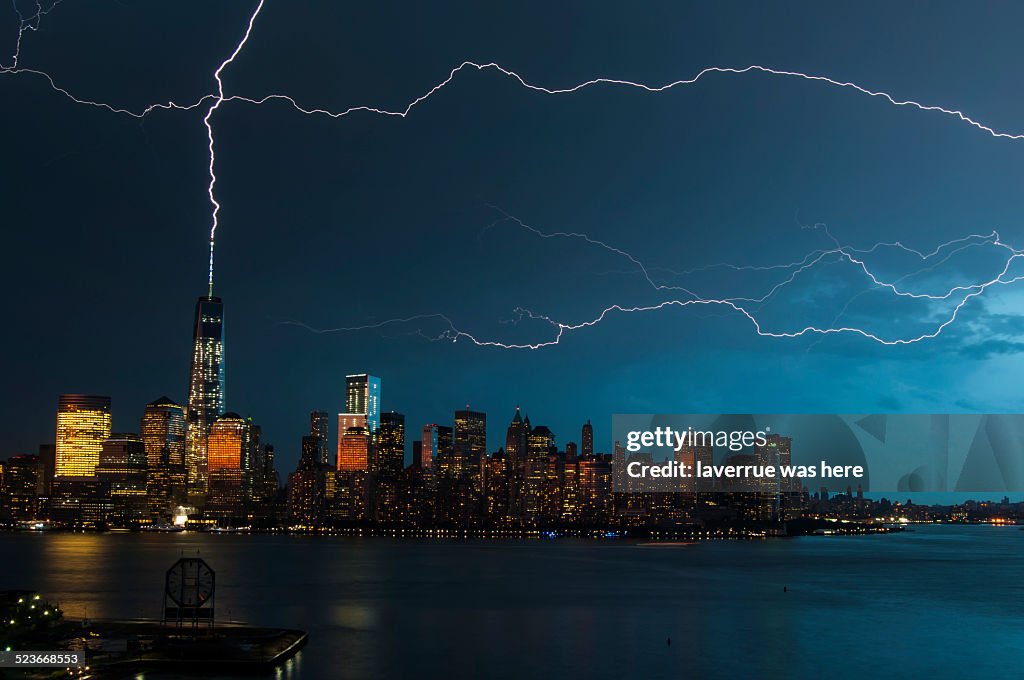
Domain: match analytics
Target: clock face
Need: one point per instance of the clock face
(190, 582)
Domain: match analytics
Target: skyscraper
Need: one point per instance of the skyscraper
(540, 442)
(362, 396)
(307, 486)
(515, 442)
(436, 447)
(122, 466)
(318, 428)
(391, 444)
(83, 424)
(47, 460)
(163, 436)
(588, 439)
(229, 449)
(228, 442)
(163, 432)
(428, 449)
(515, 464)
(311, 448)
(470, 442)
(21, 483)
(270, 480)
(355, 450)
(362, 405)
(206, 388)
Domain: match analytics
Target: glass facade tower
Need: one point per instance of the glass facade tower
(206, 388)
(362, 406)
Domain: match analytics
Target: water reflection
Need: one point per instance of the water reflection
(79, 573)
(432, 609)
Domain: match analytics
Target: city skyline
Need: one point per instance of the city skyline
(85, 426)
(533, 485)
(475, 439)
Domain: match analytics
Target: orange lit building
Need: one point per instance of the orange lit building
(226, 445)
(354, 450)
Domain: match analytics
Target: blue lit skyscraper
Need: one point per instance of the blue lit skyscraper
(362, 406)
(362, 396)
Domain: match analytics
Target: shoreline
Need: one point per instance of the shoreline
(790, 529)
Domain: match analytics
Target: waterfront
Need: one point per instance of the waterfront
(941, 601)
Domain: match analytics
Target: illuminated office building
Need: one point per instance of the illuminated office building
(362, 395)
(362, 406)
(348, 496)
(163, 432)
(437, 446)
(83, 423)
(515, 463)
(595, 482)
(570, 489)
(515, 442)
(539, 443)
(496, 493)
(307, 486)
(228, 442)
(231, 448)
(122, 466)
(226, 495)
(21, 484)
(122, 454)
(253, 465)
(270, 481)
(318, 428)
(428, 448)
(445, 441)
(80, 501)
(355, 450)
(470, 445)
(206, 388)
(391, 444)
(163, 436)
(349, 420)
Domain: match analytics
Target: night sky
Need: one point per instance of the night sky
(351, 221)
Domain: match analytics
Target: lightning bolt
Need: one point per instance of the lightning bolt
(213, 101)
(209, 131)
(27, 23)
(753, 68)
(854, 256)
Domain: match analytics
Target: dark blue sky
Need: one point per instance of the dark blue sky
(340, 222)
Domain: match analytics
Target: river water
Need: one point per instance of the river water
(938, 602)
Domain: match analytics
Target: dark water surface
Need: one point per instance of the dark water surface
(941, 602)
